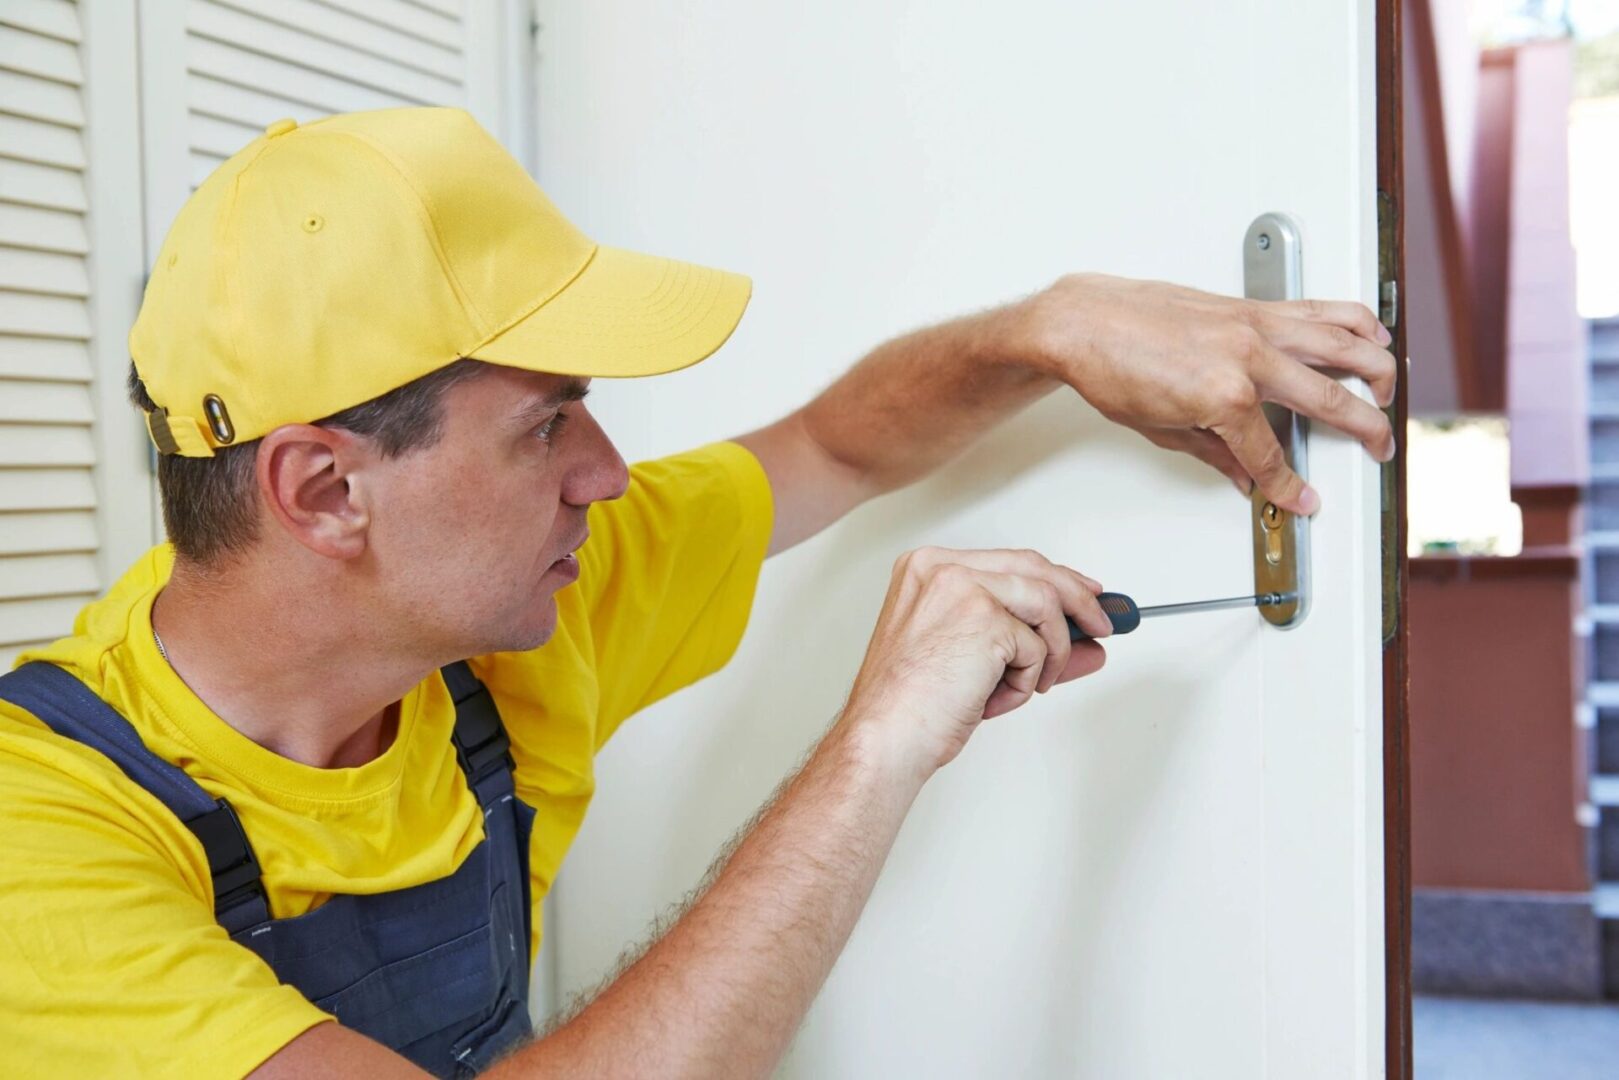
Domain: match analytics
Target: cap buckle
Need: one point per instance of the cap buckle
(157, 425)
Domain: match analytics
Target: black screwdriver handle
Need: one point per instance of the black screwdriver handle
(1120, 610)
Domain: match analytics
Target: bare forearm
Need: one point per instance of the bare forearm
(908, 407)
(1188, 370)
(723, 991)
(917, 401)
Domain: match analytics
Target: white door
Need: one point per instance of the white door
(1174, 868)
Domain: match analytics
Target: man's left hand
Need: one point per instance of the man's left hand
(1189, 370)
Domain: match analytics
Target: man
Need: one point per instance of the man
(256, 790)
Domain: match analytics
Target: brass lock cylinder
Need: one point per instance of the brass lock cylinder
(1271, 519)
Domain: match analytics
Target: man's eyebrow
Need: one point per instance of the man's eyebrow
(572, 390)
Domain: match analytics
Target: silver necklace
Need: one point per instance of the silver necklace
(161, 651)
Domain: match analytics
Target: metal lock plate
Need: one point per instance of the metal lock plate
(1272, 269)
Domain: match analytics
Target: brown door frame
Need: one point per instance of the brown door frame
(1396, 674)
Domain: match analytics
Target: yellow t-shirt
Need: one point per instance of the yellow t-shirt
(111, 962)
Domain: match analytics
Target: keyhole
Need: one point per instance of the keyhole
(1271, 519)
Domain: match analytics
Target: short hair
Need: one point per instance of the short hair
(210, 505)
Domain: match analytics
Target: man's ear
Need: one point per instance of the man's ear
(306, 475)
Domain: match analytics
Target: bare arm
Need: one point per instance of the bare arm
(909, 406)
(722, 992)
(963, 636)
(1187, 369)
(328, 1051)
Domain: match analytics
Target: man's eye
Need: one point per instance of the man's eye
(552, 427)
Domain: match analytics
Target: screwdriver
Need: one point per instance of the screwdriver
(1125, 616)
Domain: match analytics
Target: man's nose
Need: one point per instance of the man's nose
(599, 473)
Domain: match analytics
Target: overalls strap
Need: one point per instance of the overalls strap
(67, 707)
(481, 745)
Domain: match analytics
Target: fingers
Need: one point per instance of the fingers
(1025, 588)
(1356, 318)
(958, 641)
(1254, 444)
(1023, 672)
(1326, 344)
(1304, 390)
(1032, 602)
(1078, 592)
(1086, 658)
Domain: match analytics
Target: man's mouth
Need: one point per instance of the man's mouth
(568, 565)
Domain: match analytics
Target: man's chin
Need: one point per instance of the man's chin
(538, 626)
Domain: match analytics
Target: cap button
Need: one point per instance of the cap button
(280, 127)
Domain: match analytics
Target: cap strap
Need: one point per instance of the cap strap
(177, 434)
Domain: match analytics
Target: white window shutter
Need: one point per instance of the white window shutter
(217, 72)
(54, 450)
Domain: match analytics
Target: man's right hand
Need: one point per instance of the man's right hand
(967, 635)
(963, 635)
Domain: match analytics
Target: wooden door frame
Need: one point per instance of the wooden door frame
(1396, 674)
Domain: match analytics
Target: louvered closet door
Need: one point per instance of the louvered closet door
(251, 62)
(215, 73)
(53, 551)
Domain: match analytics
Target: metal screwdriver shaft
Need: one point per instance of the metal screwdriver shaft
(1125, 616)
(1259, 600)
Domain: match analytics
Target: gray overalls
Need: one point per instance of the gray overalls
(438, 971)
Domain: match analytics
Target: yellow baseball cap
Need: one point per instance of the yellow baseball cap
(328, 263)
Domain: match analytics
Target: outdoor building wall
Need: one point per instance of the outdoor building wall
(1495, 754)
(1545, 340)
